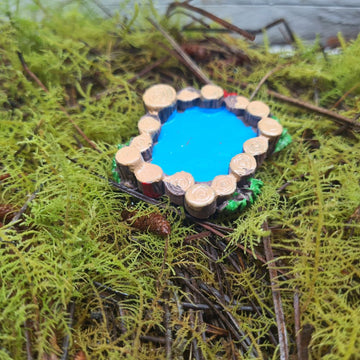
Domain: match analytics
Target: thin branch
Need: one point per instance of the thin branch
(297, 324)
(216, 232)
(28, 342)
(168, 336)
(38, 81)
(279, 313)
(262, 81)
(345, 96)
(337, 117)
(66, 341)
(274, 23)
(186, 59)
(284, 186)
(18, 215)
(154, 339)
(148, 69)
(213, 17)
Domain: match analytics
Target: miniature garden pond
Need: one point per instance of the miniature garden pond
(200, 141)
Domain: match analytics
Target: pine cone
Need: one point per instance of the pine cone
(154, 223)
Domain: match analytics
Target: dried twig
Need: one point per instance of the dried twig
(38, 81)
(345, 96)
(337, 117)
(18, 215)
(279, 313)
(213, 17)
(231, 324)
(255, 254)
(297, 324)
(186, 59)
(28, 342)
(154, 339)
(147, 69)
(274, 23)
(284, 186)
(262, 81)
(168, 336)
(66, 341)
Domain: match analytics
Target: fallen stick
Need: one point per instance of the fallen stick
(213, 17)
(279, 313)
(186, 59)
(262, 81)
(339, 118)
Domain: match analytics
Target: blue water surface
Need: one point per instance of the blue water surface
(201, 142)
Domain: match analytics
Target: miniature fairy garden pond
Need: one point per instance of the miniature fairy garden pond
(199, 148)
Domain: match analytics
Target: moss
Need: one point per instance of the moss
(72, 234)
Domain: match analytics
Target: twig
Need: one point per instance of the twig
(168, 337)
(279, 313)
(274, 23)
(186, 59)
(238, 334)
(154, 339)
(28, 342)
(213, 17)
(198, 236)
(148, 69)
(267, 75)
(237, 52)
(284, 186)
(66, 341)
(255, 254)
(24, 207)
(339, 118)
(345, 96)
(297, 324)
(38, 81)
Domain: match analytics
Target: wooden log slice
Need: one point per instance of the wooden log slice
(236, 104)
(176, 186)
(272, 130)
(200, 201)
(257, 147)
(160, 99)
(255, 111)
(187, 98)
(242, 167)
(150, 180)
(212, 96)
(127, 161)
(150, 124)
(143, 143)
(224, 187)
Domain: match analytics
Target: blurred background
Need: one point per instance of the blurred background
(306, 18)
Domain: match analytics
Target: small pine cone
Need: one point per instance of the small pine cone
(154, 223)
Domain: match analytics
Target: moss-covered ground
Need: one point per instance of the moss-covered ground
(72, 239)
